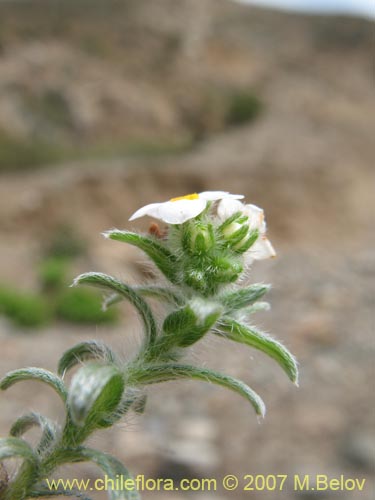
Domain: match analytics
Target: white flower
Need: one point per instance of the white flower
(262, 248)
(180, 209)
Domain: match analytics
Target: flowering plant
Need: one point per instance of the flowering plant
(209, 241)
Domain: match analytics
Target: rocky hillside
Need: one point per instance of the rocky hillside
(128, 102)
(107, 78)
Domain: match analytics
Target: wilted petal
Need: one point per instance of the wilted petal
(256, 218)
(262, 249)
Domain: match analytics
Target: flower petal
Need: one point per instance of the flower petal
(172, 212)
(146, 210)
(177, 212)
(219, 195)
(229, 207)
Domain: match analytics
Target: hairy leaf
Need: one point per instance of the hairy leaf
(35, 374)
(91, 349)
(25, 422)
(161, 256)
(152, 291)
(108, 282)
(160, 373)
(238, 332)
(233, 301)
(95, 392)
(14, 447)
(111, 467)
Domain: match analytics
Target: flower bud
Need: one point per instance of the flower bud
(227, 269)
(189, 324)
(199, 238)
(236, 231)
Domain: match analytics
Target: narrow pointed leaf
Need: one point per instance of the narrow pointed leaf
(108, 282)
(159, 292)
(154, 292)
(95, 392)
(161, 373)
(111, 467)
(233, 301)
(238, 332)
(14, 447)
(24, 423)
(83, 351)
(161, 256)
(35, 374)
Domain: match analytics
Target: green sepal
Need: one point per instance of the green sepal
(25, 422)
(35, 374)
(253, 236)
(238, 332)
(201, 237)
(108, 282)
(244, 297)
(236, 217)
(91, 349)
(226, 269)
(94, 394)
(161, 373)
(163, 259)
(237, 236)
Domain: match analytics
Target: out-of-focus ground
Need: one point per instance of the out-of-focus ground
(132, 102)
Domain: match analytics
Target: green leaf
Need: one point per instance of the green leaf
(152, 291)
(14, 447)
(186, 326)
(108, 282)
(131, 402)
(25, 422)
(161, 373)
(95, 392)
(251, 337)
(163, 259)
(233, 301)
(35, 374)
(112, 468)
(91, 349)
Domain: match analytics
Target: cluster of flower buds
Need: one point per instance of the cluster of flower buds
(213, 235)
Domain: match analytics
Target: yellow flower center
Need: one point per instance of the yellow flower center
(193, 196)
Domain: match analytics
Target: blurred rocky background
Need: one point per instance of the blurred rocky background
(109, 105)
